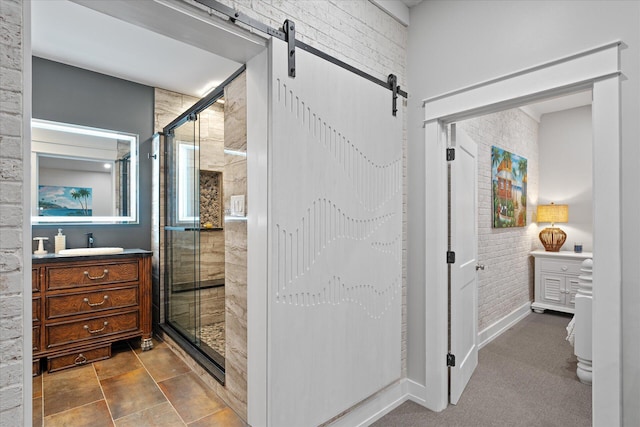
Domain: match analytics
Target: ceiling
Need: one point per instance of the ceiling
(73, 34)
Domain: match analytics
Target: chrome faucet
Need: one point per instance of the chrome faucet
(89, 240)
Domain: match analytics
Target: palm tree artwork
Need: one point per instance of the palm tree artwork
(82, 195)
(509, 188)
(56, 200)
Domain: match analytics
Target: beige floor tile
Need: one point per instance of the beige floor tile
(70, 388)
(162, 363)
(94, 414)
(223, 418)
(131, 392)
(122, 360)
(162, 415)
(191, 397)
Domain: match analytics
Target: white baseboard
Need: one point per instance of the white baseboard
(375, 407)
(495, 330)
(381, 404)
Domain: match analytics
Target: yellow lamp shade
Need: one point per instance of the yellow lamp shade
(553, 238)
(553, 213)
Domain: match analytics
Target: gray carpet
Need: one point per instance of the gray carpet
(525, 377)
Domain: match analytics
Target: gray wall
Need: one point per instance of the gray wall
(72, 95)
(455, 44)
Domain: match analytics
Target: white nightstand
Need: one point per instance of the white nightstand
(556, 280)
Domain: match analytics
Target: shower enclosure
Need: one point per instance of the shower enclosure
(204, 187)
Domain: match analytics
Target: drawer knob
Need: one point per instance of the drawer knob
(93, 304)
(564, 268)
(95, 331)
(80, 360)
(104, 273)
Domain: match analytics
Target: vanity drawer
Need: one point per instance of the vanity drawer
(560, 266)
(78, 358)
(93, 328)
(66, 277)
(88, 302)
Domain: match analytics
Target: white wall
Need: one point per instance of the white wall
(455, 44)
(100, 183)
(566, 176)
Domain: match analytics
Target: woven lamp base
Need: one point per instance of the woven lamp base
(552, 238)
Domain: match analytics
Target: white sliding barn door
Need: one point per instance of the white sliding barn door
(335, 239)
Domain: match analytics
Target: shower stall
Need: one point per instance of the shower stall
(203, 243)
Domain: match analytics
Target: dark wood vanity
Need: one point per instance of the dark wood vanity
(83, 304)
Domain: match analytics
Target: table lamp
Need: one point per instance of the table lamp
(553, 238)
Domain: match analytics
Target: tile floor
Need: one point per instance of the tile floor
(132, 388)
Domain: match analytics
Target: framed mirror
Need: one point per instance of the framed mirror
(83, 175)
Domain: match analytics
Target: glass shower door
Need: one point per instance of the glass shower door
(182, 234)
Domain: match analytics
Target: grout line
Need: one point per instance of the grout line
(156, 383)
(102, 391)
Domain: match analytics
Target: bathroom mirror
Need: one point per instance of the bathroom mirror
(83, 175)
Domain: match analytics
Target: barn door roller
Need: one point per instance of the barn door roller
(288, 35)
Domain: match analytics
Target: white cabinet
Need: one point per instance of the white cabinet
(556, 280)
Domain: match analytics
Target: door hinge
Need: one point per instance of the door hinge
(289, 28)
(451, 360)
(451, 257)
(451, 154)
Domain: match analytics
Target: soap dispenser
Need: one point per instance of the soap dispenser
(61, 241)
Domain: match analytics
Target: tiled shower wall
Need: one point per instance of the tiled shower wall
(507, 281)
(223, 253)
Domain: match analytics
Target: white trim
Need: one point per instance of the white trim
(395, 9)
(597, 68)
(496, 329)
(607, 268)
(375, 407)
(27, 315)
(606, 46)
(258, 134)
(578, 71)
(416, 390)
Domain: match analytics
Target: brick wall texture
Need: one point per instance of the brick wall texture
(11, 215)
(507, 281)
(355, 31)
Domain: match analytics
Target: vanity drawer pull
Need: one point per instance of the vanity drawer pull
(95, 331)
(94, 304)
(80, 360)
(104, 273)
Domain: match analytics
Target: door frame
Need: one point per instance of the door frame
(598, 69)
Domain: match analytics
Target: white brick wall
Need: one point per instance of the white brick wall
(507, 281)
(355, 31)
(11, 214)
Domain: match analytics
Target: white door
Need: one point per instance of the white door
(464, 242)
(335, 232)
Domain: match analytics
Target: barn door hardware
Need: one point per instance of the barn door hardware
(288, 35)
(289, 28)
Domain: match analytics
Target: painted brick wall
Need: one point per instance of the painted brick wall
(355, 31)
(507, 281)
(11, 215)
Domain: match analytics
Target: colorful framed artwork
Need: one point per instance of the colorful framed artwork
(509, 189)
(54, 200)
